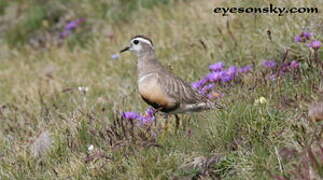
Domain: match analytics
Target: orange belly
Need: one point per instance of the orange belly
(153, 94)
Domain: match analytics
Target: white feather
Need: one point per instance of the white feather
(143, 40)
(144, 77)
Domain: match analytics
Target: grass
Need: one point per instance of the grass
(39, 92)
(32, 20)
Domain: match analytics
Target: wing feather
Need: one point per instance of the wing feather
(179, 89)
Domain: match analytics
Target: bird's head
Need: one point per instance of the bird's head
(140, 45)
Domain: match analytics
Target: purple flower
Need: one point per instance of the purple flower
(130, 115)
(298, 38)
(284, 68)
(207, 88)
(226, 77)
(272, 77)
(316, 44)
(269, 63)
(64, 34)
(217, 66)
(294, 64)
(146, 119)
(199, 84)
(304, 36)
(71, 25)
(232, 71)
(74, 24)
(149, 116)
(214, 76)
(150, 112)
(307, 35)
(115, 56)
(245, 69)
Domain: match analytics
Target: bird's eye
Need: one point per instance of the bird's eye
(136, 42)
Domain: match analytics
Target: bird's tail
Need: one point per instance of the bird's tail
(202, 106)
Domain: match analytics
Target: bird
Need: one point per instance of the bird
(159, 87)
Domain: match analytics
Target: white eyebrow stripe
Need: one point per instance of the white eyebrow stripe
(143, 40)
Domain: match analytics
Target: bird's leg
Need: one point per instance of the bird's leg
(156, 111)
(155, 118)
(177, 122)
(166, 120)
(185, 121)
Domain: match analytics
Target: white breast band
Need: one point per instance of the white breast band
(143, 77)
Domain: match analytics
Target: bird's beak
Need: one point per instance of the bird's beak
(125, 49)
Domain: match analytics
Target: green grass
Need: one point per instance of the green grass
(39, 92)
(34, 19)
